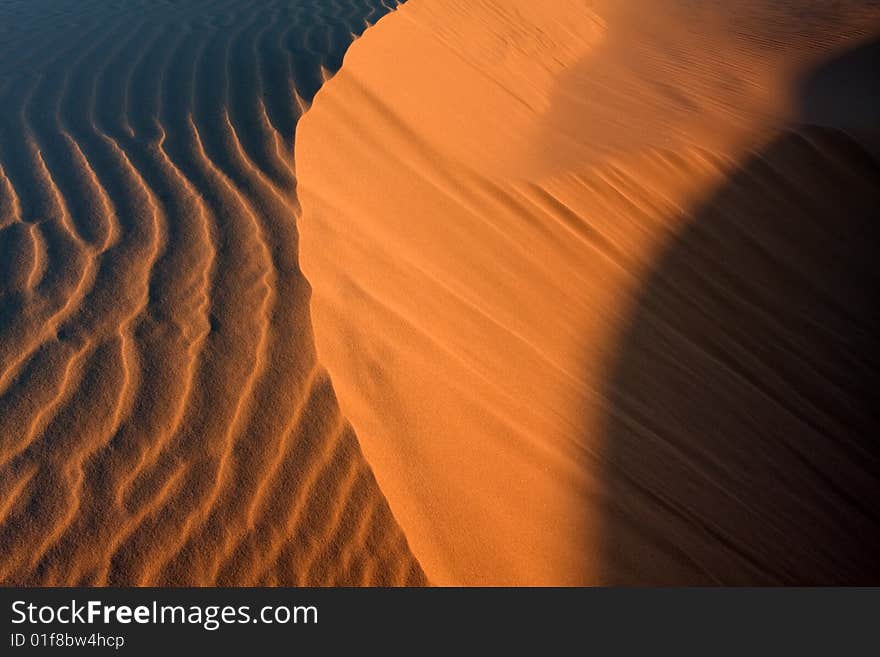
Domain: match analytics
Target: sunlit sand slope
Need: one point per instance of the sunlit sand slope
(598, 303)
(163, 418)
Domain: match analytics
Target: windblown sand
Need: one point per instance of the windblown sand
(600, 305)
(594, 283)
(163, 418)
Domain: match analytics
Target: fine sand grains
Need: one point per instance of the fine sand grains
(163, 418)
(598, 303)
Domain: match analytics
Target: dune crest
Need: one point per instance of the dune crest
(514, 171)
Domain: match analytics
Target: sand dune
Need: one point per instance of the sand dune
(163, 417)
(594, 283)
(599, 303)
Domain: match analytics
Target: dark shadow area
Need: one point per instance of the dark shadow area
(742, 441)
(844, 92)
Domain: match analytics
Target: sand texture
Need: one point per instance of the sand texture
(596, 284)
(163, 418)
(529, 292)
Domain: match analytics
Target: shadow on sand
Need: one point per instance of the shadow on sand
(743, 433)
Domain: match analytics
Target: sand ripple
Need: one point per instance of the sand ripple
(163, 419)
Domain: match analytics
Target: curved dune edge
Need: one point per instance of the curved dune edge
(163, 417)
(488, 188)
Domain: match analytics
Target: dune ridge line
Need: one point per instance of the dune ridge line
(596, 291)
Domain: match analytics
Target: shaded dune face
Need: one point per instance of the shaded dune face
(741, 438)
(600, 304)
(163, 418)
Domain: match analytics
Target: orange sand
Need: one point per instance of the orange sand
(597, 303)
(163, 418)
